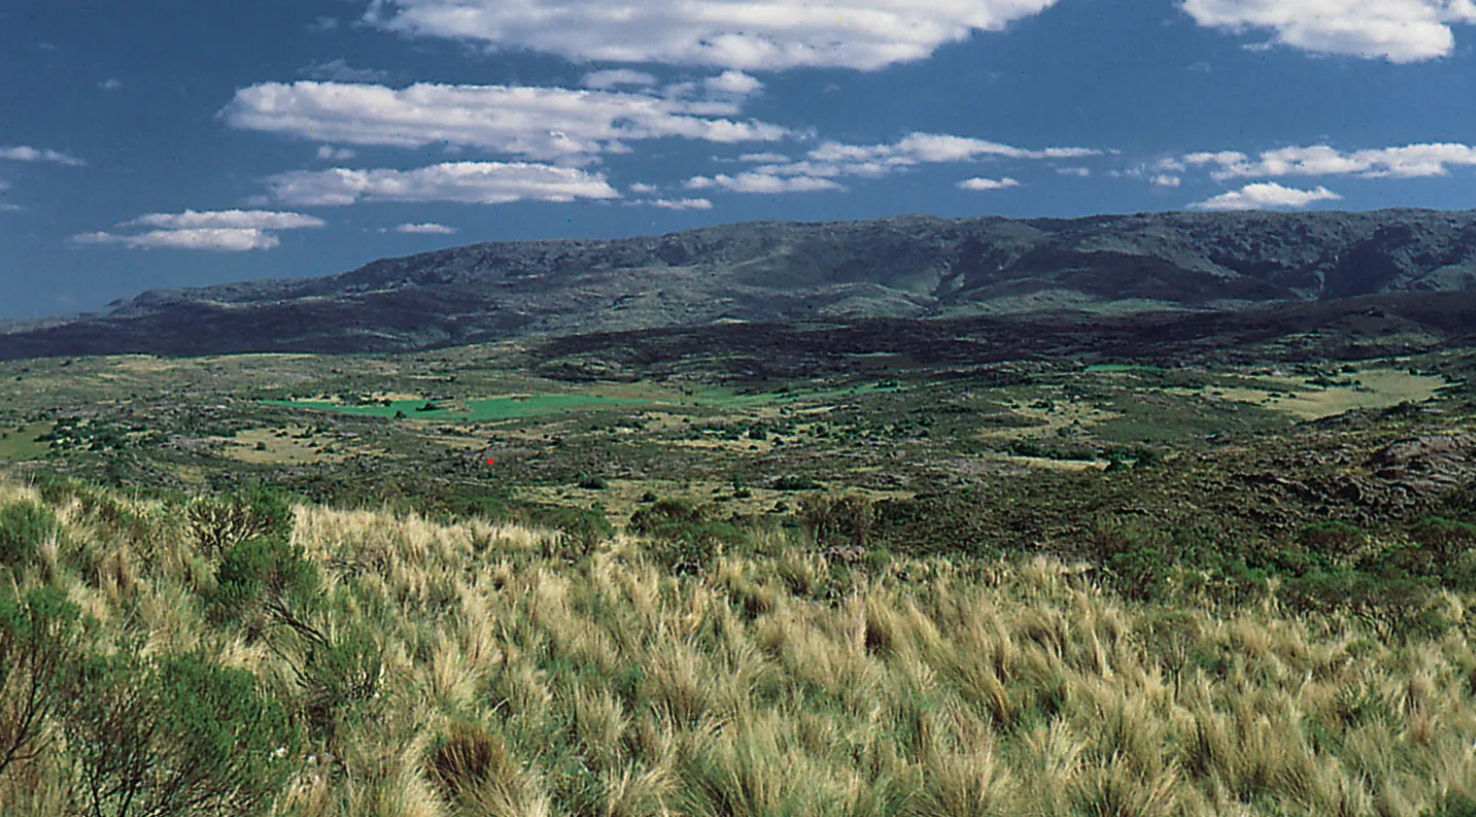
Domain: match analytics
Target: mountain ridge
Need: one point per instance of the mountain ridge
(900, 267)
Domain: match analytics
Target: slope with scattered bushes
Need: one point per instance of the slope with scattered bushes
(240, 655)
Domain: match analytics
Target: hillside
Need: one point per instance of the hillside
(908, 267)
(234, 655)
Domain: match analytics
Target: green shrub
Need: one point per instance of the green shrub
(1333, 537)
(339, 676)
(23, 527)
(263, 575)
(688, 537)
(220, 522)
(1447, 541)
(665, 513)
(592, 482)
(38, 642)
(175, 735)
(845, 520)
(793, 483)
(583, 529)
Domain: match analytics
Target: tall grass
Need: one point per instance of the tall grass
(473, 669)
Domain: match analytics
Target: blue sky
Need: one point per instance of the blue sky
(167, 143)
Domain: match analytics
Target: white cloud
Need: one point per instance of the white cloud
(1398, 30)
(1079, 172)
(111, 84)
(676, 204)
(213, 239)
(539, 123)
(771, 35)
(226, 219)
(733, 83)
(617, 77)
(1267, 195)
(26, 153)
(217, 230)
(339, 71)
(980, 184)
(1167, 180)
(920, 148)
(765, 158)
(464, 182)
(330, 153)
(643, 188)
(831, 160)
(425, 229)
(761, 183)
(1409, 161)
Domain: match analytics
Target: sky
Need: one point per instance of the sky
(174, 143)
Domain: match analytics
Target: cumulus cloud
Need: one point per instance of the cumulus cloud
(330, 153)
(1079, 172)
(1409, 161)
(676, 204)
(761, 183)
(830, 160)
(617, 77)
(642, 188)
(1397, 30)
(339, 71)
(538, 123)
(774, 35)
(212, 239)
(1167, 180)
(464, 182)
(1267, 195)
(733, 83)
(934, 148)
(980, 184)
(428, 228)
(216, 230)
(226, 219)
(26, 153)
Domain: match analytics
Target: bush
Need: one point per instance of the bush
(177, 735)
(1447, 541)
(584, 529)
(690, 539)
(792, 483)
(220, 522)
(264, 575)
(38, 642)
(339, 676)
(1335, 538)
(23, 527)
(845, 520)
(592, 482)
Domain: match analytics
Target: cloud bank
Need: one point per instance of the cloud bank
(1400, 31)
(26, 153)
(1266, 196)
(1409, 161)
(427, 228)
(463, 182)
(772, 35)
(216, 231)
(571, 126)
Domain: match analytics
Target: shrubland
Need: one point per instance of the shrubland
(254, 654)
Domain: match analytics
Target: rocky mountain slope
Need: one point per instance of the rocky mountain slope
(907, 267)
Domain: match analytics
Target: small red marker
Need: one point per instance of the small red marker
(489, 462)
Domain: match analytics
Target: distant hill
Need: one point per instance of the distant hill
(907, 267)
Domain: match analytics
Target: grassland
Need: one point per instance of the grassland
(489, 581)
(486, 669)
